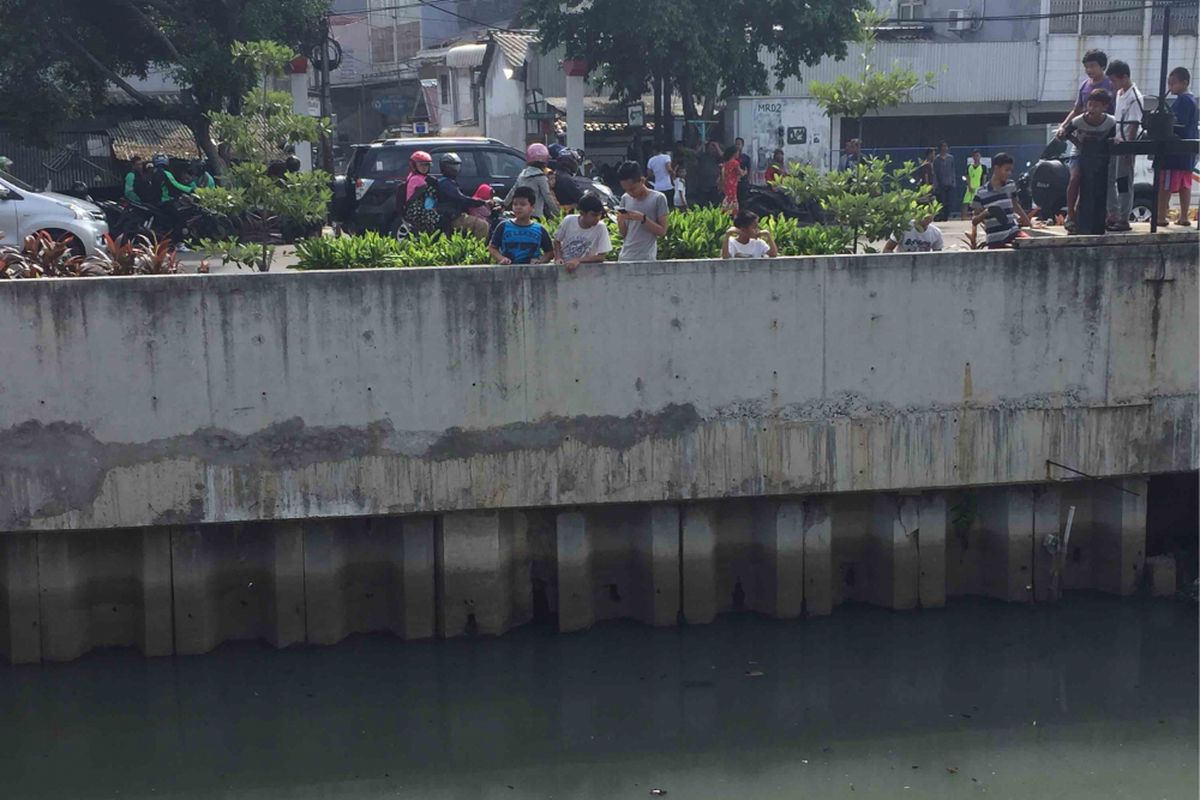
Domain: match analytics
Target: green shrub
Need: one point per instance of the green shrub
(691, 234)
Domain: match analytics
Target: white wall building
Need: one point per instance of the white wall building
(989, 75)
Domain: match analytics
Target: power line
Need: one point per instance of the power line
(437, 6)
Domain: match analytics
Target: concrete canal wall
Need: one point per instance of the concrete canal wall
(297, 457)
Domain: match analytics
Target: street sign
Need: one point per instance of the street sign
(421, 128)
(637, 115)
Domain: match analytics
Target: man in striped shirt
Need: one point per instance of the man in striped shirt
(996, 206)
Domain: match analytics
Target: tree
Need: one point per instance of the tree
(62, 56)
(871, 199)
(256, 201)
(872, 89)
(706, 49)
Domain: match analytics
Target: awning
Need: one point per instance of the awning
(466, 56)
(145, 137)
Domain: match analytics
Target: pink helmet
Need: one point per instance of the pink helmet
(420, 157)
(537, 152)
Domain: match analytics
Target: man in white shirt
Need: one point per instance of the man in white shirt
(1129, 109)
(661, 173)
(922, 236)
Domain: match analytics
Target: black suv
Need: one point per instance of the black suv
(375, 171)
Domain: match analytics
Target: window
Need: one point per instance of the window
(444, 89)
(1113, 16)
(909, 9)
(408, 39)
(501, 165)
(383, 162)
(383, 45)
(469, 170)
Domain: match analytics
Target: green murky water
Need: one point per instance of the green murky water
(1096, 698)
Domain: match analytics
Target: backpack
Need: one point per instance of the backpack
(421, 212)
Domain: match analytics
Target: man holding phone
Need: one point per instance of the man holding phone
(641, 217)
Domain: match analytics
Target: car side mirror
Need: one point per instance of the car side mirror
(5, 194)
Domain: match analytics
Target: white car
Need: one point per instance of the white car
(25, 210)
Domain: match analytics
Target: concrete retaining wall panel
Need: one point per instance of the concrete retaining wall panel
(378, 392)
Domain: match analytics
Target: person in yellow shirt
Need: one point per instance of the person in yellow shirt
(975, 171)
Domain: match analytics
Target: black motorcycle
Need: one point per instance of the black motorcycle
(1044, 186)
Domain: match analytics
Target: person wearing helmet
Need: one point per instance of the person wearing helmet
(6, 163)
(453, 204)
(567, 189)
(534, 176)
(419, 200)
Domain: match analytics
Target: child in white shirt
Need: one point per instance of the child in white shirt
(746, 240)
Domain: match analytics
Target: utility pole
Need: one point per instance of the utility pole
(326, 104)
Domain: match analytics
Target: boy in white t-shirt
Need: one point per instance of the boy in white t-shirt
(922, 236)
(746, 240)
(582, 238)
(680, 199)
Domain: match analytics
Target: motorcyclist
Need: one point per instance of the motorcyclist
(567, 186)
(418, 195)
(165, 189)
(534, 176)
(453, 204)
(203, 178)
(138, 186)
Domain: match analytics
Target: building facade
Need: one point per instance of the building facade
(1001, 73)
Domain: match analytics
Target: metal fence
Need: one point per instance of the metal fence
(70, 157)
(1185, 19)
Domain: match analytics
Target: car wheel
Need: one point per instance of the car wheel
(1143, 208)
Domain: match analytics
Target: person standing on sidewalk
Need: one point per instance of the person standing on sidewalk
(945, 182)
(641, 217)
(1178, 167)
(1094, 64)
(1130, 108)
(662, 173)
(975, 172)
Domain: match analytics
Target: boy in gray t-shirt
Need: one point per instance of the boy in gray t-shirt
(1087, 130)
(641, 217)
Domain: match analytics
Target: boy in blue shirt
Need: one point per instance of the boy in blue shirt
(1178, 167)
(521, 240)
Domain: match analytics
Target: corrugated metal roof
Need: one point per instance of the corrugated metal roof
(514, 46)
(466, 56)
(69, 157)
(964, 71)
(145, 137)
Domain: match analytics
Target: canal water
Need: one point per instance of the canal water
(1093, 698)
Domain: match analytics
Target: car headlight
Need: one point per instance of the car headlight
(79, 211)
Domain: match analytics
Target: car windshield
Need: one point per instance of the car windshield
(17, 182)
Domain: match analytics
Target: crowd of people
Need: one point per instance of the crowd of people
(1108, 108)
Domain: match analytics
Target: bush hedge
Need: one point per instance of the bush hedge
(690, 234)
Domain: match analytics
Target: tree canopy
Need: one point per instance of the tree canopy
(61, 56)
(705, 49)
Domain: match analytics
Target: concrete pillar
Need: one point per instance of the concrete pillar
(780, 534)
(419, 578)
(237, 582)
(372, 574)
(656, 558)
(480, 557)
(1119, 536)
(576, 610)
(575, 132)
(818, 559)
(299, 86)
(20, 634)
(105, 588)
(698, 558)
(1047, 522)
(892, 566)
(931, 550)
(1006, 544)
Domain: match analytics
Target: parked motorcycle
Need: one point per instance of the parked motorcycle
(1044, 186)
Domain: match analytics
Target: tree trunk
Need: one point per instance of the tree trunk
(202, 132)
(656, 80)
(688, 90)
(668, 131)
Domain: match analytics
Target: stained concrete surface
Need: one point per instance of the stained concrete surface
(1096, 697)
(197, 399)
